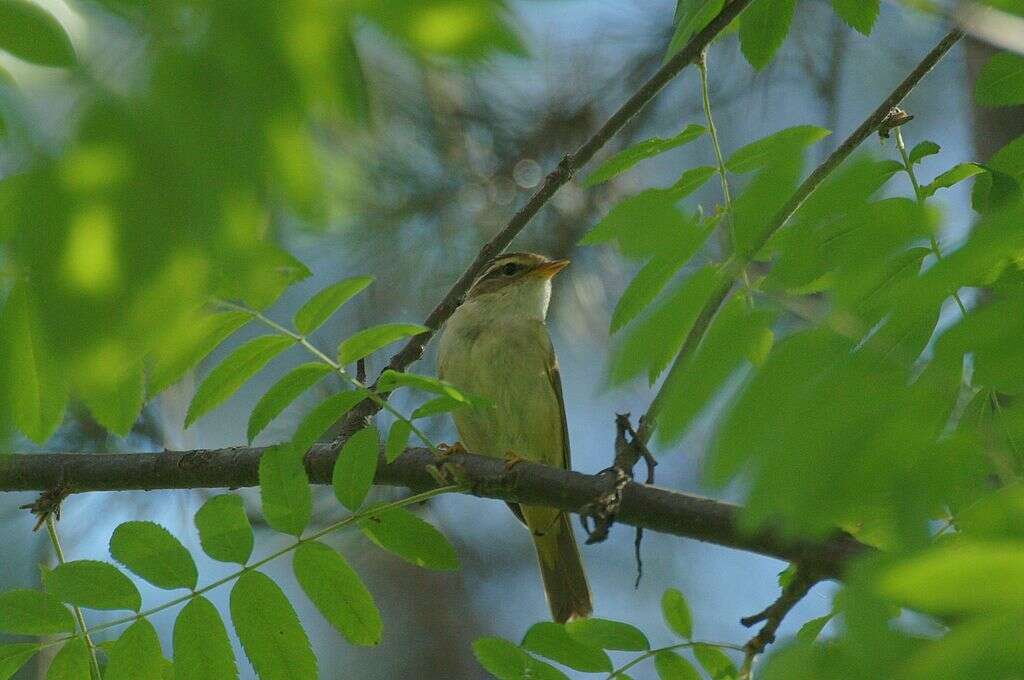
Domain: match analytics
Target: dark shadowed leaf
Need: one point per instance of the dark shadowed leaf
(32, 612)
(627, 158)
(92, 584)
(691, 18)
(269, 629)
(554, 642)
(242, 364)
(284, 490)
(14, 656)
(30, 33)
(283, 393)
(72, 662)
(763, 27)
(136, 655)
(150, 551)
(224, 529)
(338, 592)
(606, 634)
(202, 650)
(321, 306)
(355, 467)
(676, 611)
(370, 340)
(400, 532)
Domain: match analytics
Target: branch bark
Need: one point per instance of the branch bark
(557, 178)
(649, 507)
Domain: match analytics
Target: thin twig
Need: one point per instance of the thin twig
(801, 583)
(738, 261)
(561, 175)
(94, 665)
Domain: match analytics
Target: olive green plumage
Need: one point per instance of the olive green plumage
(496, 346)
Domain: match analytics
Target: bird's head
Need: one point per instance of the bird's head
(517, 283)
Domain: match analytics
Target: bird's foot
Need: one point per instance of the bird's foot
(449, 449)
(512, 459)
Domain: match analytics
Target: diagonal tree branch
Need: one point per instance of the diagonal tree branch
(557, 178)
(650, 507)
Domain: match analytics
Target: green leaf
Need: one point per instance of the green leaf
(115, 401)
(763, 28)
(506, 661)
(404, 534)
(284, 490)
(955, 175)
(32, 612)
(391, 380)
(437, 406)
(810, 631)
(655, 339)
(283, 393)
(368, 341)
(922, 150)
(677, 613)
(859, 14)
(202, 650)
(690, 19)
(30, 33)
(735, 334)
(645, 225)
(92, 584)
(769, 150)
(761, 200)
(224, 529)
(321, 418)
(321, 306)
(355, 467)
(233, 372)
(715, 662)
(152, 552)
(136, 655)
(960, 577)
(193, 340)
(72, 662)
(671, 666)
(14, 656)
(1001, 81)
(398, 438)
(606, 634)
(39, 384)
(338, 592)
(627, 158)
(553, 641)
(269, 629)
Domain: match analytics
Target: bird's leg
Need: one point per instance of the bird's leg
(512, 459)
(449, 449)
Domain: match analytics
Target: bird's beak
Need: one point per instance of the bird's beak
(549, 269)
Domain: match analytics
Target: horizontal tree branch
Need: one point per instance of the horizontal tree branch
(650, 507)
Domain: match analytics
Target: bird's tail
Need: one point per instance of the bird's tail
(561, 566)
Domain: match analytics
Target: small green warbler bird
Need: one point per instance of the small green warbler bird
(496, 345)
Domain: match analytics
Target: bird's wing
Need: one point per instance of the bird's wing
(555, 376)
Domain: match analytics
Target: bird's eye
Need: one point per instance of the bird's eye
(510, 269)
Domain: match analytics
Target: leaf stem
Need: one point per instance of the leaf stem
(338, 368)
(908, 167)
(671, 648)
(51, 530)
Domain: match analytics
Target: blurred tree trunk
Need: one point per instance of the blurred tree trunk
(994, 127)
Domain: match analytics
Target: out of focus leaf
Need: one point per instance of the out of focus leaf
(1001, 81)
(645, 225)
(71, 662)
(269, 629)
(136, 655)
(322, 305)
(551, 640)
(368, 341)
(32, 612)
(691, 17)
(202, 649)
(769, 150)
(283, 393)
(28, 32)
(338, 593)
(763, 27)
(242, 364)
(952, 177)
(284, 490)
(150, 551)
(404, 534)
(320, 419)
(189, 344)
(92, 584)
(676, 611)
(224, 529)
(859, 14)
(606, 634)
(762, 199)
(355, 467)
(627, 158)
(114, 394)
(810, 631)
(671, 666)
